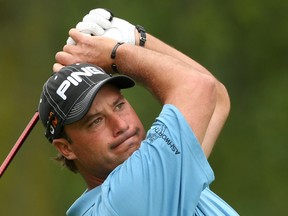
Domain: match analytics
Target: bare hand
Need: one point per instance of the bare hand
(88, 49)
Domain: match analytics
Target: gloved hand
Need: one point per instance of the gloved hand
(94, 23)
(98, 22)
(121, 30)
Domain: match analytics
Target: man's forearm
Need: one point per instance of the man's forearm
(157, 45)
(223, 102)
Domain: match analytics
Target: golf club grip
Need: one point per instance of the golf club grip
(19, 142)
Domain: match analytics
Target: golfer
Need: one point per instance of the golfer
(130, 172)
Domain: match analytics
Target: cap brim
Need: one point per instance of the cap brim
(82, 105)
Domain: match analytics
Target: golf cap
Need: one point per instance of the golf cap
(68, 94)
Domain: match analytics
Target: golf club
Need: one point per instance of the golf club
(19, 142)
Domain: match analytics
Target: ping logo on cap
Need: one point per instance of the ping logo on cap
(75, 78)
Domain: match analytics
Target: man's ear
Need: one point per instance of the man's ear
(64, 148)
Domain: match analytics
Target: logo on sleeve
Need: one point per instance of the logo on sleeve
(159, 132)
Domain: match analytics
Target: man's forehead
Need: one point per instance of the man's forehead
(107, 97)
(109, 94)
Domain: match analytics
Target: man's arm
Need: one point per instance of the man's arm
(222, 108)
(171, 80)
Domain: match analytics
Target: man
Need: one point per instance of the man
(94, 127)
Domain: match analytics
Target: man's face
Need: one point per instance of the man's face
(107, 135)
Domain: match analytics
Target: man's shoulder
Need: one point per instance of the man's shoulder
(85, 202)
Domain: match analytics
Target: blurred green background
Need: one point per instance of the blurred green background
(243, 42)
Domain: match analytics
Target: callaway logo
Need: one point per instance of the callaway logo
(75, 79)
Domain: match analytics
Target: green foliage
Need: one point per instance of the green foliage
(244, 43)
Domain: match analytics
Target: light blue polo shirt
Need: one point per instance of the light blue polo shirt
(168, 176)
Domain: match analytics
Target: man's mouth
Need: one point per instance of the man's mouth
(126, 138)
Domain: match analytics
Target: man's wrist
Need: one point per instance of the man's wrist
(113, 56)
(141, 35)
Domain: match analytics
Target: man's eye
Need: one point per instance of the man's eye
(120, 106)
(96, 121)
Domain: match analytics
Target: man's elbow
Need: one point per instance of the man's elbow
(223, 100)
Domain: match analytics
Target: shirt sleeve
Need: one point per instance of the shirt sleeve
(165, 176)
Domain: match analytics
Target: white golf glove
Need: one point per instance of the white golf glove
(95, 23)
(121, 30)
(98, 22)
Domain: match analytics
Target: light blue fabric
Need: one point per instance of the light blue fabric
(169, 175)
(212, 204)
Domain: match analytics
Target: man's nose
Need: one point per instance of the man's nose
(119, 125)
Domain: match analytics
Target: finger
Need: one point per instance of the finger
(98, 19)
(57, 67)
(90, 28)
(76, 35)
(102, 12)
(64, 58)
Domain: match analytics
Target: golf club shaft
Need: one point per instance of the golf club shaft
(19, 142)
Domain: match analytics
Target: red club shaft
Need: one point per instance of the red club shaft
(19, 142)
